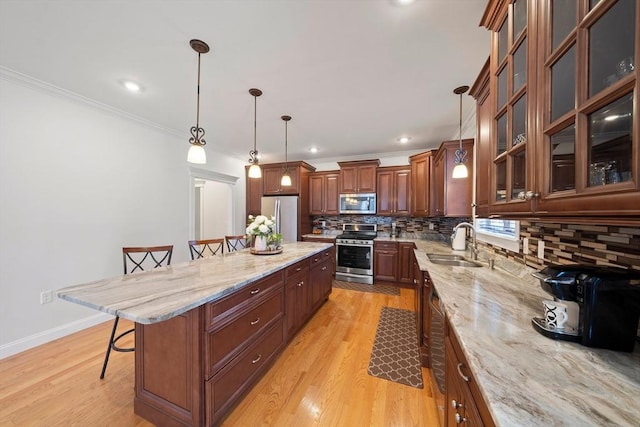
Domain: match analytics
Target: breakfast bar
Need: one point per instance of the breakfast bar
(207, 330)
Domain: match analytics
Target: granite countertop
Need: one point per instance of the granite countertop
(165, 292)
(526, 378)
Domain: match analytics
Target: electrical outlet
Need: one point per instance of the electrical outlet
(525, 246)
(432, 226)
(46, 297)
(540, 249)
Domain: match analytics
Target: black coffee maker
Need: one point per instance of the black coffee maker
(603, 305)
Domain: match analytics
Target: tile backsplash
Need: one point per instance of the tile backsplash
(426, 228)
(577, 244)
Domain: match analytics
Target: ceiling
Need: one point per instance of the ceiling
(355, 75)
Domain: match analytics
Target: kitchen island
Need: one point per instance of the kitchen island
(207, 330)
(525, 378)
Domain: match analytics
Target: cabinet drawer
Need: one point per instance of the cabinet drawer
(253, 292)
(225, 342)
(321, 257)
(234, 379)
(296, 268)
(385, 246)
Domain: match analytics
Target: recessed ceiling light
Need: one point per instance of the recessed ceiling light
(313, 150)
(404, 139)
(402, 2)
(132, 86)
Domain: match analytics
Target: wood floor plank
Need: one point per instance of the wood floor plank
(320, 379)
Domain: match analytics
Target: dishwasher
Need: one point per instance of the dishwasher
(436, 351)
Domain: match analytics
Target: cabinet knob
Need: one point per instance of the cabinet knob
(460, 419)
(455, 404)
(257, 359)
(528, 195)
(324, 268)
(255, 291)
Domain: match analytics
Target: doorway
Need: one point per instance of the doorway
(212, 201)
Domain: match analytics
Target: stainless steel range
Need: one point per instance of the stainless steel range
(354, 253)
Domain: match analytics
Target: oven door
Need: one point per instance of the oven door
(354, 258)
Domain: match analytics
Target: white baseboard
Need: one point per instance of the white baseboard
(44, 337)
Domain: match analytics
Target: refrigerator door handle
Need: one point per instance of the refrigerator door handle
(277, 215)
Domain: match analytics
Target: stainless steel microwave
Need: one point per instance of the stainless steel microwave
(358, 203)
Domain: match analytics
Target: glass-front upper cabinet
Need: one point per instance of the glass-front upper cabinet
(589, 87)
(564, 82)
(510, 63)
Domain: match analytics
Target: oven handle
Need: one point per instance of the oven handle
(359, 245)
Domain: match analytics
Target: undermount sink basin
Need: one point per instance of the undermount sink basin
(453, 260)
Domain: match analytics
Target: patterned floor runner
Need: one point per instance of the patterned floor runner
(361, 287)
(395, 355)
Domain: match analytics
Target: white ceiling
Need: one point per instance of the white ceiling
(355, 75)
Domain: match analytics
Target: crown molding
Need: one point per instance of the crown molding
(44, 87)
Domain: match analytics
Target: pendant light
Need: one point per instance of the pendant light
(196, 152)
(460, 170)
(286, 178)
(254, 170)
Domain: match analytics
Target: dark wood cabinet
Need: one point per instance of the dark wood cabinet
(480, 91)
(320, 276)
(563, 129)
(394, 191)
(323, 193)
(272, 176)
(358, 176)
(192, 369)
(452, 196)
(464, 403)
(254, 194)
(421, 183)
(405, 262)
(385, 261)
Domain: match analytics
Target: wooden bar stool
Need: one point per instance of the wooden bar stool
(205, 248)
(236, 243)
(136, 259)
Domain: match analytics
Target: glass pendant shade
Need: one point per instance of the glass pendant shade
(286, 180)
(197, 155)
(255, 171)
(460, 171)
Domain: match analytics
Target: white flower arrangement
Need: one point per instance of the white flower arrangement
(261, 226)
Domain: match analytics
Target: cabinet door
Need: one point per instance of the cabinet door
(385, 264)
(348, 179)
(426, 314)
(320, 276)
(271, 180)
(385, 193)
(402, 190)
(331, 195)
(316, 194)
(367, 179)
(420, 183)
(480, 91)
(589, 161)
(437, 208)
(513, 135)
(405, 271)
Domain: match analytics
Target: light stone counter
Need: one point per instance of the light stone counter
(526, 378)
(331, 236)
(165, 292)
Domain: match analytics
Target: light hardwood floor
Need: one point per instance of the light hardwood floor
(320, 379)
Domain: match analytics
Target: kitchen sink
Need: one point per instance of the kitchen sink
(453, 260)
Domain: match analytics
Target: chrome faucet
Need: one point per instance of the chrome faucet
(474, 244)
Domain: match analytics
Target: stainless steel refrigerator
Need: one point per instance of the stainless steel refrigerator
(286, 211)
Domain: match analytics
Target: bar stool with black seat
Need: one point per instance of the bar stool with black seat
(236, 243)
(206, 248)
(136, 259)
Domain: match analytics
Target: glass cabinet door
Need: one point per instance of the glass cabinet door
(588, 82)
(511, 122)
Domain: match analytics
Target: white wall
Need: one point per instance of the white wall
(217, 212)
(78, 182)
